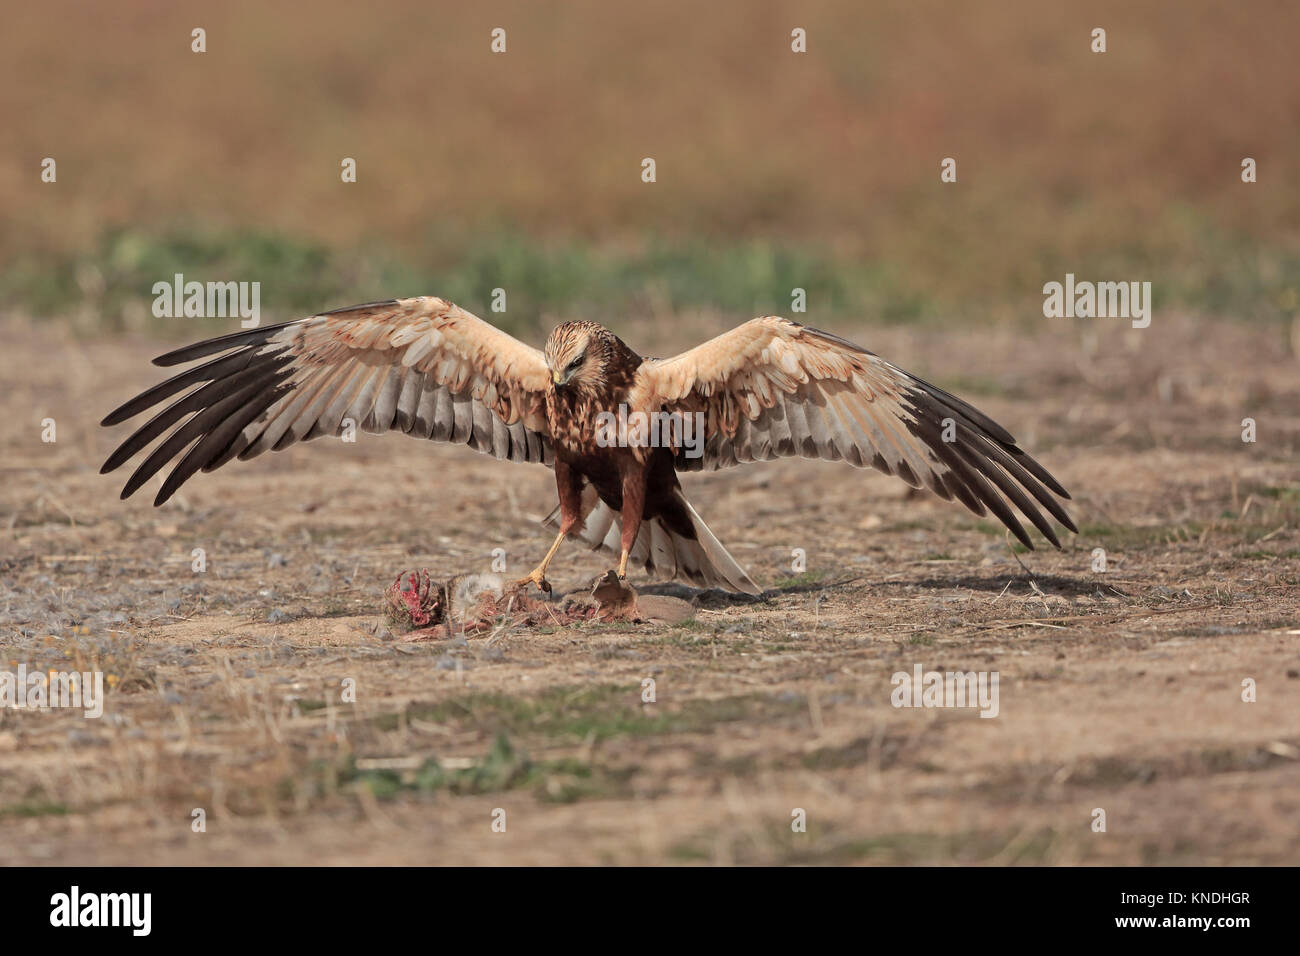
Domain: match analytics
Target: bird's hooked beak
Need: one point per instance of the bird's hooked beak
(562, 376)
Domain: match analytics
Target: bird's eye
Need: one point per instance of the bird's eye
(576, 362)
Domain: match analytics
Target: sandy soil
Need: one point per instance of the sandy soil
(1120, 691)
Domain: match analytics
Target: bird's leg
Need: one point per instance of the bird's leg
(569, 485)
(633, 508)
(538, 574)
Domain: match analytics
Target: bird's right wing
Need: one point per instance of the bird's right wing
(773, 388)
(421, 366)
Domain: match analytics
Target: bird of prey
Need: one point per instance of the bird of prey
(770, 388)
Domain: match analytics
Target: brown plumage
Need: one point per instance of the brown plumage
(770, 388)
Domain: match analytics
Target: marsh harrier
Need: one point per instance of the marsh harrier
(771, 388)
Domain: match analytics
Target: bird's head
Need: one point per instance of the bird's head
(578, 355)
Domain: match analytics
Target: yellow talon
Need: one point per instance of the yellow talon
(537, 577)
(538, 574)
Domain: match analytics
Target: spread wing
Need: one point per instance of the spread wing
(420, 366)
(773, 388)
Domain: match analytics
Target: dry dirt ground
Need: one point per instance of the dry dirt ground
(1120, 691)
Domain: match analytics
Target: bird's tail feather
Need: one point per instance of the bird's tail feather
(665, 553)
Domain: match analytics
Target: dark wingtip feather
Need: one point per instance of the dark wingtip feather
(832, 337)
(1019, 531)
(983, 452)
(384, 304)
(1039, 472)
(118, 415)
(222, 343)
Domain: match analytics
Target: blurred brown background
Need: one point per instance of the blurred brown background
(772, 165)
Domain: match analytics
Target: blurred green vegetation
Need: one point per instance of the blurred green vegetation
(542, 280)
(110, 286)
(775, 169)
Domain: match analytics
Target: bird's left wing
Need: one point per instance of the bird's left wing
(421, 366)
(773, 388)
